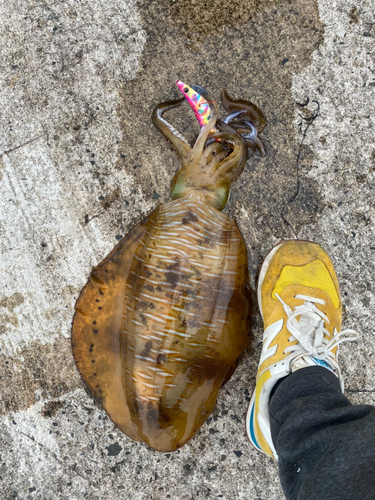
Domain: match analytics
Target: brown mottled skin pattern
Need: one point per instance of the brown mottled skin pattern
(163, 319)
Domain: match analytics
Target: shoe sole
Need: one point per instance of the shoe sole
(249, 427)
(251, 408)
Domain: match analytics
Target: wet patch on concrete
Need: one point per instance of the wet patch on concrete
(7, 319)
(255, 61)
(207, 17)
(51, 408)
(37, 372)
(12, 302)
(304, 206)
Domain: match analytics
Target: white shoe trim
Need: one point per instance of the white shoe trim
(268, 337)
(263, 271)
(263, 415)
(250, 424)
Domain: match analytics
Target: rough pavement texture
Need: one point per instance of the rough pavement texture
(81, 164)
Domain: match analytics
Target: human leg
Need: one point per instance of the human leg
(300, 303)
(325, 445)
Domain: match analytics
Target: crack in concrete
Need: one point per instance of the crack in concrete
(19, 146)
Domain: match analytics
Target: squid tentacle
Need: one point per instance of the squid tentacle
(200, 143)
(177, 139)
(212, 150)
(234, 115)
(250, 134)
(247, 129)
(250, 110)
(237, 157)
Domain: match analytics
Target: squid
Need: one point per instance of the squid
(160, 324)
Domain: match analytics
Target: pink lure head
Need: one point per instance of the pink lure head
(199, 104)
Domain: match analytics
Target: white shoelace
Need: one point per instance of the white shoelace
(313, 339)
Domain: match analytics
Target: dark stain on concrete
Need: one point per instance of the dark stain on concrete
(6, 320)
(12, 302)
(47, 368)
(51, 408)
(306, 206)
(207, 17)
(354, 15)
(110, 198)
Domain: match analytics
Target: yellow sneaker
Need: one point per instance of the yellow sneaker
(300, 303)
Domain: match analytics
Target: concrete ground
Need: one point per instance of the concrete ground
(81, 164)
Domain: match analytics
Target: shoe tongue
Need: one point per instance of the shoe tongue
(307, 360)
(307, 322)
